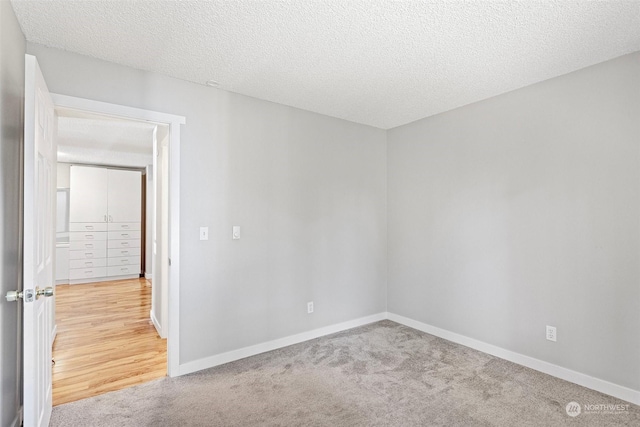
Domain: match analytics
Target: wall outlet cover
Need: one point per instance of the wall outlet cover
(551, 333)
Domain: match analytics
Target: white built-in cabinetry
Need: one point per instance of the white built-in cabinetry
(105, 213)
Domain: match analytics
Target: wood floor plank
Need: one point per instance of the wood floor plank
(105, 340)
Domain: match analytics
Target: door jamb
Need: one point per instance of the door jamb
(174, 122)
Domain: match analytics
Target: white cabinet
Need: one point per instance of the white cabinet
(124, 196)
(88, 194)
(105, 224)
(105, 195)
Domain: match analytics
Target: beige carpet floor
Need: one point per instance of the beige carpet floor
(382, 374)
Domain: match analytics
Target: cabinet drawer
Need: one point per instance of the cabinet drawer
(88, 245)
(87, 226)
(75, 236)
(123, 252)
(126, 260)
(123, 235)
(87, 254)
(118, 226)
(117, 244)
(87, 273)
(88, 263)
(121, 270)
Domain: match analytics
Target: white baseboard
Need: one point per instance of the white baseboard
(148, 276)
(220, 359)
(103, 279)
(584, 380)
(156, 324)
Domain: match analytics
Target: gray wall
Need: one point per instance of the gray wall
(309, 192)
(12, 49)
(523, 211)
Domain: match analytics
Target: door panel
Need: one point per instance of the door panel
(83, 245)
(88, 226)
(87, 263)
(125, 196)
(78, 236)
(116, 244)
(123, 252)
(123, 270)
(123, 226)
(88, 254)
(127, 235)
(88, 196)
(39, 226)
(124, 261)
(87, 273)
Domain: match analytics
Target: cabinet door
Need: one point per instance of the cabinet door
(125, 196)
(88, 194)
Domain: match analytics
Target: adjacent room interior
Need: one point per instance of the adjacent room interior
(108, 316)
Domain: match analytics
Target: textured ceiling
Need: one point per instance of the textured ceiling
(381, 63)
(131, 137)
(97, 139)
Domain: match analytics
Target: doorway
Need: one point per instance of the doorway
(160, 172)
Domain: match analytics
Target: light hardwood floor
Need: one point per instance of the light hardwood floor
(105, 339)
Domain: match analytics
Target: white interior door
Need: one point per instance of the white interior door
(39, 227)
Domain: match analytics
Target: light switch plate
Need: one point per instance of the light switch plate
(204, 233)
(236, 232)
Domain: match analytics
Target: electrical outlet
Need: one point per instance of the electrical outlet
(310, 307)
(551, 333)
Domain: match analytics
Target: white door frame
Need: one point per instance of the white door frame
(174, 122)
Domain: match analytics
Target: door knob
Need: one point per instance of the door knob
(13, 295)
(47, 292)
(27, 295)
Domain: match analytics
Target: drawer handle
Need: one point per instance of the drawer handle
(125, 261)
(89, 236)
(89, 264)
(124, 243)
(88, 254)
(125, 225)
(88, 272)
(124, 252)
(89, 227)
(124, 269)
(124, 234)
(88, 245)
